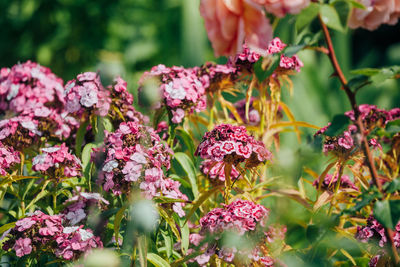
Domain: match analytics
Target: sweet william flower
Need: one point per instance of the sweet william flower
(230, 23)
(23, 246)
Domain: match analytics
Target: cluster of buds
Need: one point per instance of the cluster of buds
(182, 90)
(56, 161)
(41, 233)
(243, 218)
(232, 145)
(135, 154)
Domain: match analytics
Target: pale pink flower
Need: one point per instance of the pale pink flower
(23, 246)
(230, 23)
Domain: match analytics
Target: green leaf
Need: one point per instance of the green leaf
(169, 243)
(80, 136)
(356, 4)
(261, 73)
(366, 71)
(157, 260)
(307, 15)
(86, 163)
(338, 126)
(185, 236)
(383, 75)
(313, 233)
(293, 49)
(343, 9)
(39, 196)
(188, 167)
(330, 17)
(107, 124)
(142, 246)
(387, 212)
(7, 226)
(392, 186)
(117, 222)
(187, 139)
(170, 220)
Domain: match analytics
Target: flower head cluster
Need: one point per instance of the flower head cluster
(28, 87)
(122, 101)
(75, 241)
(135, 154)
(40, 232)
(56, 161)
(285, 63)
(244, 218)
(375, 14)
(232, 145)
(374, 231)
(8, 158)
(19, 132)
(86, 93)
(182, 89)
(374, 117)
(371, 116)
(76, 210)
(330, 182)
(218, 77)
(215, 170)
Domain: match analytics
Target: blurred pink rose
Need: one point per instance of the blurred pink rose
(231, 22)
(376, 12)
(281, 7)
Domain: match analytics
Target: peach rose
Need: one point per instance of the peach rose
(231, 22)
(377, 12)
(281, 7)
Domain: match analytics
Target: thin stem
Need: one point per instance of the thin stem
(364, 142)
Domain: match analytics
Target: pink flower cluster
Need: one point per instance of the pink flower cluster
(57, 160)
(27, 87)
(371, 116)
(8, 158)
(86, 93)
(182, 89)
(76, 210)
(136, 155)
(375, 13)
(218, 77)
(240, 216)
(33, 92)
(215, 170)
(330, 182)
(232, 145)
(40, 232)
(122, 101)
(374, 231)
(19, 132)
(244, 218)
(285, 63)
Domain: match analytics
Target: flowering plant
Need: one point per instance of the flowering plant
(202, 181)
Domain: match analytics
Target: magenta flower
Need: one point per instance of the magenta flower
(232, 145)
(23, 246)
